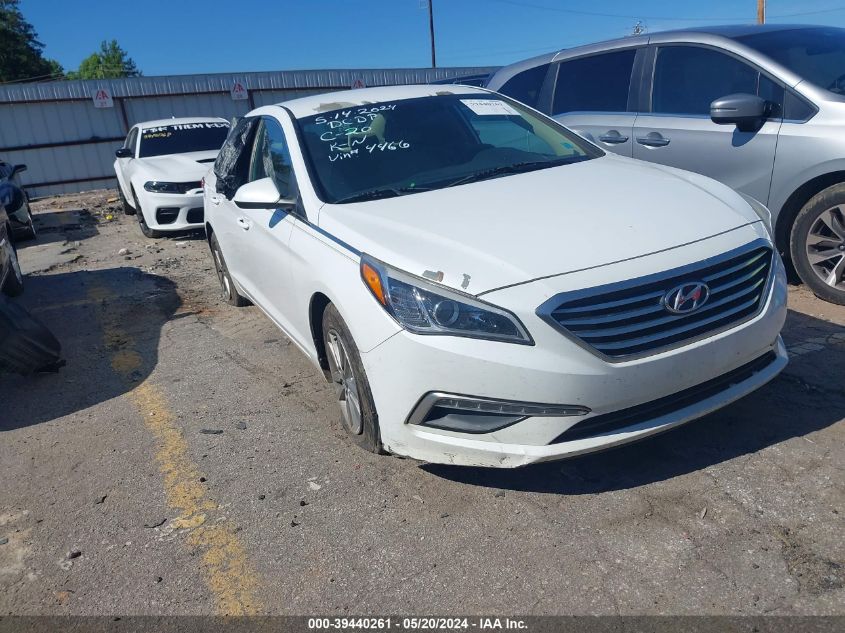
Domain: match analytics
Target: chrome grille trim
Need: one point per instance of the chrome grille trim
(626, 320)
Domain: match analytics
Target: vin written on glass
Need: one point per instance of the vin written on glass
(348, 131)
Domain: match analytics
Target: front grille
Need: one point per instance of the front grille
(625, 320)
(167, 215)
(195, 215)
(617, 420)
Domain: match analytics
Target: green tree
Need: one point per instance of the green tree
(21, 56)
(110, 62)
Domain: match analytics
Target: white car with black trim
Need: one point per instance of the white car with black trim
(159, 171)
(483, 286)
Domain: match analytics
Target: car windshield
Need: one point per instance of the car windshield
(181, 138)
(815, 53)
(408, 146)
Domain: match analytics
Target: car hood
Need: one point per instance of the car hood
(177, 167)
(485, 235)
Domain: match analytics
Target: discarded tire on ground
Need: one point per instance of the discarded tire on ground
(26, 345)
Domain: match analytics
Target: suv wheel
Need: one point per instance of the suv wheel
(817, 244)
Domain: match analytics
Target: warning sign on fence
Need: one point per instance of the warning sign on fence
(238, 91)
(102, 99)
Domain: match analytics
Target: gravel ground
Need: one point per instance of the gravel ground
(188, 460)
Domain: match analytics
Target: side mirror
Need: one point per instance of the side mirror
(261, 194)
(747, 112)
(18, 169)
(123, 152)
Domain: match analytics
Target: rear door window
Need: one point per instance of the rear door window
(526, 86)
(687, 79)
(598, 83)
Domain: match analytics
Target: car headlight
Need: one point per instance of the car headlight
(426, 308)
(157, 186)
(762, 212)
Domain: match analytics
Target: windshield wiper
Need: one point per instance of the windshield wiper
(515, 168)
(377, 194)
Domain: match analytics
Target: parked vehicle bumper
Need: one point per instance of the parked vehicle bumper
(406, 367)
(185, 211)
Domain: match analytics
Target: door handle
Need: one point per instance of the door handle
(653, 139)
(215, 200)
(244, 224)
(613, 137)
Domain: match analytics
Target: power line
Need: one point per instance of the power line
(531, 5)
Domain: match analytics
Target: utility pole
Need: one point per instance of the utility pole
(431, 30)
(761, 11)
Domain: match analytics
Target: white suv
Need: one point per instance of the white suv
(482, 285)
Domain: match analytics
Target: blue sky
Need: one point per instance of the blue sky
(193, 36)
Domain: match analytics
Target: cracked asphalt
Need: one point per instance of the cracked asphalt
(189, 460)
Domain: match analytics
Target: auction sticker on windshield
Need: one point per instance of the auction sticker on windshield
(489, 106)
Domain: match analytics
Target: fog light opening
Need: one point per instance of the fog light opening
(467, 414)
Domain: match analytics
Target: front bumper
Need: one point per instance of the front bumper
(556, 371)
(173, 211)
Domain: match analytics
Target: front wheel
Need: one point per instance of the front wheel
(13, 286)
(817, 244)
(357, 409)
(127, 208)
(142, 222)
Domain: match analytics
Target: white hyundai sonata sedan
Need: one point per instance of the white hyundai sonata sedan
(483, 286)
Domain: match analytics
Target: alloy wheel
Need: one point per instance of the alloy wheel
(345, 383)
(825, 246)
(225, 286)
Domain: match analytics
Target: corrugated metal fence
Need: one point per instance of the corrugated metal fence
(68, 144)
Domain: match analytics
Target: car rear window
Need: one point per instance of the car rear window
(815, 53)
(525, 86)
(181, 138)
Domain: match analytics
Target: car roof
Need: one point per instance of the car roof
(739, 30)
(325, 102)
(730, 31)
(181, 120)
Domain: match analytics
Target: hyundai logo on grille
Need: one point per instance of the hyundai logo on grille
(686, 298)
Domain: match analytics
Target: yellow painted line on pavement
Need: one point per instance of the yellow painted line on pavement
(225, 566)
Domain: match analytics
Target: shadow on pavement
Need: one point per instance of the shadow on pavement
(98, 316)
(808, 396)
(59, 226)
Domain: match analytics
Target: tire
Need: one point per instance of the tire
(817, 244)
(13, 286)
(29, 232)
(142, 222)
(26, 345)
(228, 289)
(127, 208)
(351, 384)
